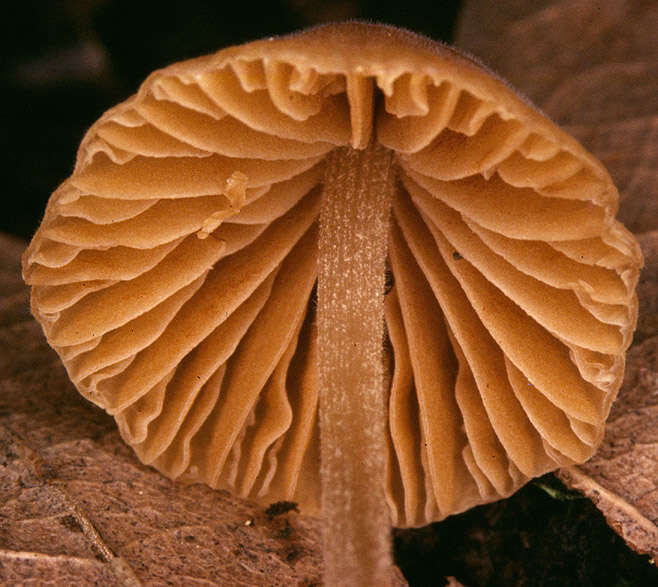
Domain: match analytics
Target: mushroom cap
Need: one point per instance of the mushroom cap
(174, 270)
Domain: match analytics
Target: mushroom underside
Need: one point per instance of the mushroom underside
(175, 274)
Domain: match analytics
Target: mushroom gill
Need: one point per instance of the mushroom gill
(175, 274)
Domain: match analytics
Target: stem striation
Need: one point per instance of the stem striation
(354, 221)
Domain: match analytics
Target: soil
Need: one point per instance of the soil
(543, 536)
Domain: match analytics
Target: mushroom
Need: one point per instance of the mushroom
(175, 274)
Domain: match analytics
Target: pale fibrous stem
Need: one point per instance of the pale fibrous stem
(354, 222)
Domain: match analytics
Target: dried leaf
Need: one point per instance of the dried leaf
(647, 290)
(591, 65)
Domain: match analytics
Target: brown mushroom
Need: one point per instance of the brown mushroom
(174, 273)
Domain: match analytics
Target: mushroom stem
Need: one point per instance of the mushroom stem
(354, 220)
